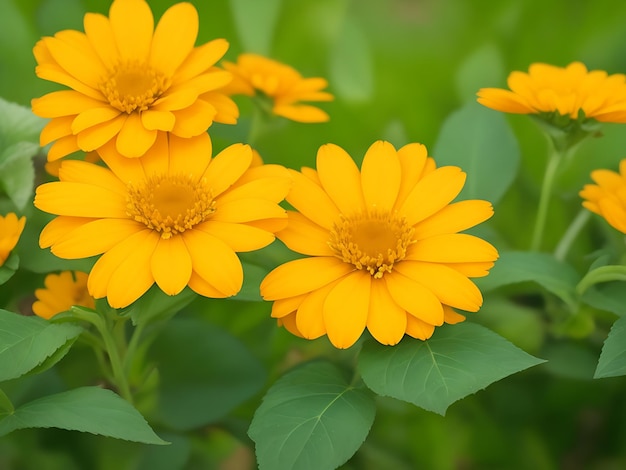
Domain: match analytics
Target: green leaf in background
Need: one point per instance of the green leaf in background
(482, 68)
(205, 373)
(481, 142)
(9, 267)
(25, 342)
(312, 418)
(514, 267)
(609, 296)
(17, 172)
(455, 362)
(612, 361)
(253, 274)
(86, 409)
(6, 407)
(18, 124)
(255, 22)
(156, 305)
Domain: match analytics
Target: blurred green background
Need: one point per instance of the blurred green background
(398, 68)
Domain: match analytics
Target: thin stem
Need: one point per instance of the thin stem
(116, 363)
(544, 199)
(133, 345)
(571, 233)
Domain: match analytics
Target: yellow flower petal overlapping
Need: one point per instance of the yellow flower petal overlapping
(383, 247)
(608, 196)
(130, 82)
(282, 84)
(61, 292)
(10, 231)
(564, 90)
(175, 217)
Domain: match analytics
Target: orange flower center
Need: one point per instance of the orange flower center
(133, 86)
(372, 241)
(170, 204)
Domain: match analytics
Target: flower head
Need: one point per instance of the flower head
(283, 86)
(10, 230)
(62, 291)
(382, 245)
(175, 217)
(130, 82)
(608, 196)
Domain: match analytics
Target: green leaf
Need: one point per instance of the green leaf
(86, 409)
(6, 407)
(205, 373)
(25, 342)
(255, 22)
(311, 418)
(601, 274)
(18, 124)
(609, 296)
(455, 362)
(482, 68)
(253, 274)
(481, 142)
(612, 361)
(156, 305)
(17, 173)
(9, 267)
(544, 269)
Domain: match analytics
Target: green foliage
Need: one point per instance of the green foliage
(7, 270)
(87, 409)
(455, 362)
(255, 22)
(612, 361)
(311, 418)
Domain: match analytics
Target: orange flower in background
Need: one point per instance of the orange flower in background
(130, 82)
(282, 85)
(175, 217)
(608, 196)
(62, 291)
(382, 245)
(566, 91)
(10, 230)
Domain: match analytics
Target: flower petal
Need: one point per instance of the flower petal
(454, 218)
(200, 59)
(100, 35)
(340, 178)
(386, 320)
(134, 139)
(283, 307)
(380, 176)
(418, 329)
(309, 318)
(239, 237)
(96, 136)
(79, 200)
(171, 265)
(133, 25)
(227, 167)
(312, 201)
(248, 210)
(452, 248)
(303, 236)
(190, 156)
(414, 298)
(174, 37)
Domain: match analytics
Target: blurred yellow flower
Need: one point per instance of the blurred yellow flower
(382, 245)
(608, 196)
(175, 217)
(566, 91)
(130, 82)
(284, 86)
(10, 230)
(62, 291)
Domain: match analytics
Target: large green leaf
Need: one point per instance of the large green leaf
(455, 362)
(481, 142)
(612, 361)
(26, 342)
(87, 409)
(609, 296)
(514, 267)
(205, 373)
(312, 418)
(17, 124)
(17, 173)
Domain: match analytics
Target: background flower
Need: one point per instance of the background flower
(608, 196)
(62, 291)
(175, 217)
(10, 230)
(130, 82)
(383, 245)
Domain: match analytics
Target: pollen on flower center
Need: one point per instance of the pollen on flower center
(170, 204)
(133, 86)
(373, 241)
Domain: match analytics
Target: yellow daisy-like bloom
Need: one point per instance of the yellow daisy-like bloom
(608, 196)
(10, 230)
(566, 91)
(383, 245)
(175, 217)
(284, 86)
(130, 82)
(62, 291)
(52, 168)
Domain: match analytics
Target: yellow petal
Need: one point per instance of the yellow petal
(452, 248)
(301, 113)
(58, 228)
(155, 161)
(200, 59)
(303, 236)
(190, 156)
(301, 276)
(133, 25)
(55, 129)
(504, 100)
(346, 309)
(227, 167)
(309, 318)
(92, 117)
(283, 307)
(238, 237)
(380, 176)
(79, 200)
(78, 171)
(194, 119)
(247, 210)
(412, 158)
(134, 139)
(454, 218)
(63, 103)
(54, 73)
(414, 298)
(272, 189)
(312, 201)
(100, 35)
(451, 317)
(289, 322)
(386, 320)
(340, 178)
(202, 287)
(174, 37)
(158, 120)
(171, 265)
(477, 269)
(126, 169)
(96, 136)
(63, 147)
(76, 58)
(419, 329)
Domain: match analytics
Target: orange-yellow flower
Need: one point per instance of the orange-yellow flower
(383, 247)
(62, 291)
(175, 217)
(284, 86)
(10, 230)
(608, 196)
(130, 82)
(566, 91)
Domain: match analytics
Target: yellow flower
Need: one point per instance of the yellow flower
(175, 217)
(284, 86)
(130, 82)
(608, 196)
(10, 230)
(383, 247)
(62, 291)
(565, 91)
(52, 168)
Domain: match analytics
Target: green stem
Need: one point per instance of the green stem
(554, 162)
(133, 344)
(571, 233)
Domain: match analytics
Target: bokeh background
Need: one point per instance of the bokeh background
(398, 69)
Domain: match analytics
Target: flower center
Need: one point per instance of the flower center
(372, 241)
(170, 204)
(133, 86)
